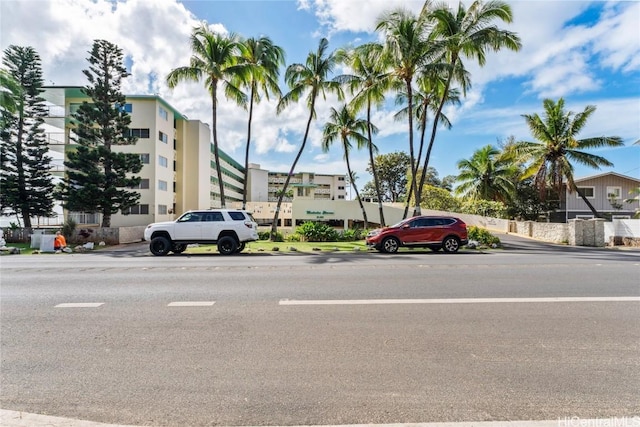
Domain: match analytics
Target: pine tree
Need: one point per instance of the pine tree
(97, 178)
(25, 173)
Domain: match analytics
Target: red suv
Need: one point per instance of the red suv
(434, 232)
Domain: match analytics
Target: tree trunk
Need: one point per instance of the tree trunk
(274, 226)
(355, 188)
(373, 166)
(246, 154)
(216, 154)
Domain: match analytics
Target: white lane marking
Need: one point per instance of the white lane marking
(11, 418)
(79, 305)
(191, 304)
(457, 300)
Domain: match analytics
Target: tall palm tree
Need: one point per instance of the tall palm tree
(343, 125)
(551, 156)
(486, 175)
(466, 33)
(213, 59)
(369, 80)
(408, 48)
(426, 98)
(258, 71)
(311, 78)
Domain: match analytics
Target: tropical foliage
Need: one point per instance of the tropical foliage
(487, 175)
(214, 59)
(258, 72)
(556, 148)
(345, 127)
(312, 79)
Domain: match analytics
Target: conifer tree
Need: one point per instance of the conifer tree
(25, 172)
(98, 179)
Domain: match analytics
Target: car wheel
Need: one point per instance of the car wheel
(160, 246)
(451, 244)
(179, 248)
(390, 245)
(241, 247)
(227, 245)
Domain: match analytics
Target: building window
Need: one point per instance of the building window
(163, 161)
(340, 197)
(126, 108)
(340, 187)
(137, 210)
(162, 209)
(144, 184)
(162, 185)
(163, 137)
(341, 178)
(163, 113)
(144, 158)
(589, 192)
(138, 133)
(614, 193)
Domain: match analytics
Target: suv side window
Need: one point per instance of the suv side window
(237, 216)
(420, 222)
(190, 217)
(213, 216)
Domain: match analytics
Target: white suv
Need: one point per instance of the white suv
(230, 229)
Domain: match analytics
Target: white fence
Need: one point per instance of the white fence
(622, 228)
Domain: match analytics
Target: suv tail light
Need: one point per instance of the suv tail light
(249, 224)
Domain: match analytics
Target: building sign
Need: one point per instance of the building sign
(319, 214)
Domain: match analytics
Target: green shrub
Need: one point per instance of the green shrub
(351, 235)
(317, 232)
(482, 236)
(295, 237)
(485, 208)
(69, 229)
(266, 235)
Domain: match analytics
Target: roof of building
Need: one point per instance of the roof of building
(78, 92)
(586, 178)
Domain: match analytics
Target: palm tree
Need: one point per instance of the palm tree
(343, 125)
(258, 72)
(426, 99)
(10, 91)
(311, 77)
(551, 156)
(369, 81)
(213, 59)
(407, 49)
(468, 33)
(486, 176)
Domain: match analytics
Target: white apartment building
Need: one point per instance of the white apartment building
(179, 170)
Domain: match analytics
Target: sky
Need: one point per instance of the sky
(585, 52)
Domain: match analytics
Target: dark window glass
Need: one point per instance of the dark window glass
(237, 216)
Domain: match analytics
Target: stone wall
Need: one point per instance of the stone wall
(111, 236)
(576, 232)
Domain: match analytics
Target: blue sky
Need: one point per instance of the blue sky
(586, 52)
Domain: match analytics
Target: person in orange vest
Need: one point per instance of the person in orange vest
(60, 243)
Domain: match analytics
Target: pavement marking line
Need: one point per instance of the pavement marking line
(457, 301)
(10, 418)
(79, 305)
(191, 304)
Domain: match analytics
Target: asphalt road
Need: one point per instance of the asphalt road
(531, 332)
